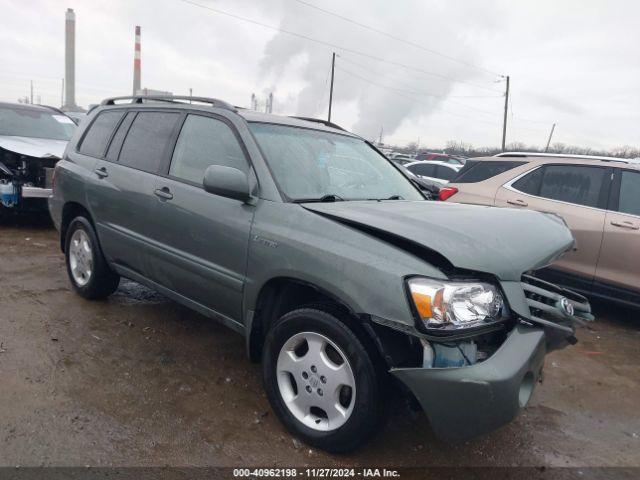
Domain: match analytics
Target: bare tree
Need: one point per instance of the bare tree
(458, 147)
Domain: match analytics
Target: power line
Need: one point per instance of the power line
(345, 59)
(403, 94)
(332, 45)
(414, 92)
(393, 37)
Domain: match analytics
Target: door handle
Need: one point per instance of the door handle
(625, 224)
(163, 193)
(101, 172)
(518, 202)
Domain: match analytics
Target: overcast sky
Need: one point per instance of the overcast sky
(574, 63)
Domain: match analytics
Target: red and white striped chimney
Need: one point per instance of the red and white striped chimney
(136, 63)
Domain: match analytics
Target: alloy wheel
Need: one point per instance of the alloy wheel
(80, 257)
(316, 381)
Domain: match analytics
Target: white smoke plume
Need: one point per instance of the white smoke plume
(361, 85)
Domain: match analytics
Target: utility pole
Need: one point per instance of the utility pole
(381, 132)
(333, 67)
(31, 92)
(504, 123)
(553, 127)
(190, 94)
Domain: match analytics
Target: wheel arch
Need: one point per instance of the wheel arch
(280, 295)
(71, 210)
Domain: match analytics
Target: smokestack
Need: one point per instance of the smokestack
(70, 60)
(136, 63)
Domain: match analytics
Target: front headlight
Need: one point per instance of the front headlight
(445, 305)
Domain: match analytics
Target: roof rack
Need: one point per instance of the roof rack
(562, 155)
(319, 120)
(214, 102)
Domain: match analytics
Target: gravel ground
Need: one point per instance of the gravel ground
(139, 380)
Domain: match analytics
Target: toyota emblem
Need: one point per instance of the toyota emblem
(567, 307)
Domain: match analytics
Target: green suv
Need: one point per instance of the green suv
(346, 283)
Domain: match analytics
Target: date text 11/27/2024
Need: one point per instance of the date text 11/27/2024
(316, 472)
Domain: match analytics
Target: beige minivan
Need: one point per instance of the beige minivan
(598, 197)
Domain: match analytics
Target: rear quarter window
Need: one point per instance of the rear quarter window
(97, 137)
(530, 183)
(477, 171)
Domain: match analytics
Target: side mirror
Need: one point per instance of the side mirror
(227, 182)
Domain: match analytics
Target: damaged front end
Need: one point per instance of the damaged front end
(474, 347)
(32, 140)
(25, 181)
(470, 381)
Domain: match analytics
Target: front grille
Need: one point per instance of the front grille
(554, 306)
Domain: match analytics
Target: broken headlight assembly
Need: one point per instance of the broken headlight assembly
(455, 305)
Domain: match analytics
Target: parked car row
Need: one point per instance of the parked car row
(441, 172)
(403, 158)
(302, 237)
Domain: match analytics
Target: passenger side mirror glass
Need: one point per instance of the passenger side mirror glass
(227, 182)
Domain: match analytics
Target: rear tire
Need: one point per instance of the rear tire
(331, 395)
(87, 268)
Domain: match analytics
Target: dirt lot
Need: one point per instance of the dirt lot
(140, 380)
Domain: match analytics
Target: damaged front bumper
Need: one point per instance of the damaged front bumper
(25, 182)
(36, 192)
(464, 402)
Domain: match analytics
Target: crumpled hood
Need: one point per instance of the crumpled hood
(501, 241)
(33, 147)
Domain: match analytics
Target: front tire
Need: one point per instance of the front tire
(321, 380)
(87, 268)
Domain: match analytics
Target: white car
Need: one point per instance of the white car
(401, 158)
(438, 171)
(32, 140)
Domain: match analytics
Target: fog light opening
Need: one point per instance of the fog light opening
(526, 389)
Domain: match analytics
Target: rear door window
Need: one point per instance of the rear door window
(116, 141)
(148, 140)
(478, 171)
(629, 201)
(423, 169)
(205, 141)
(573, 184)
(96, 139)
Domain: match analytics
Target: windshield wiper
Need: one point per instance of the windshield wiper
(331, 197)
